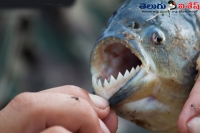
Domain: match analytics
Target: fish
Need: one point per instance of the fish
(144, 62)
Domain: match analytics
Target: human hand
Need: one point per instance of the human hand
(189, 120)
(64, 109)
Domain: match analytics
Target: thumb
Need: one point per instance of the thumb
(56, 129)
(189, 120)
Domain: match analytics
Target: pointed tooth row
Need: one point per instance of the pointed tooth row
(120, 81)
(133, 71)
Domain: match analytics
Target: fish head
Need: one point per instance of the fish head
(144, 64)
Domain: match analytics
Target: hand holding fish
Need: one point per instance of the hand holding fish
(64, 109)
(189, 120)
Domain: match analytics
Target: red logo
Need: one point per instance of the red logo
(190, 5)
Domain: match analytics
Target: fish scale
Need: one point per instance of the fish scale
(164, 46)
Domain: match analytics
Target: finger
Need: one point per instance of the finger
(56, 129)
(103, 127)
(100, 105)
(34, 112)
(111, 122)
(191, 108)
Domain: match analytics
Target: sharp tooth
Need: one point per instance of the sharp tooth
(112, 81)
(120, 77)
(132, 71)
(99, 84)
(126, 75)
(106, 84)
(137, 68)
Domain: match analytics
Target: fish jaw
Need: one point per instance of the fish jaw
(119, 67)
(148, 113)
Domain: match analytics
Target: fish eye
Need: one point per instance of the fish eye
(155, 35)
(157, 39)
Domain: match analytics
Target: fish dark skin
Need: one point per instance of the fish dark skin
(144, 63)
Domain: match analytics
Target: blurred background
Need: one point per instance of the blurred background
(49, 47)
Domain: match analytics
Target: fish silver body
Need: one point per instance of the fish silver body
(144, 64)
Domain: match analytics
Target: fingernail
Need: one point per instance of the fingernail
(99, 101)
(194, 125)
(103, 127)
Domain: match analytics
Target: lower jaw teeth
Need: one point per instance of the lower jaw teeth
(109, 88)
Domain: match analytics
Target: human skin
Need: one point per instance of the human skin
(189, 120)
(66, 109)
(70, 109)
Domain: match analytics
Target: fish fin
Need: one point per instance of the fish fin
(198, 66)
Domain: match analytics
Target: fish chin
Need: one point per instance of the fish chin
(116, 66)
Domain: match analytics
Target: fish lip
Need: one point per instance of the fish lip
(131, 44)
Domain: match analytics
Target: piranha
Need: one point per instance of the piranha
(144, 62)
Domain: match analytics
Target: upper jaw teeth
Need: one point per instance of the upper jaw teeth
(108, 89)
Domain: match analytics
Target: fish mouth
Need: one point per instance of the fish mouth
(114, 63)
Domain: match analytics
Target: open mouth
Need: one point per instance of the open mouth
(114, 62)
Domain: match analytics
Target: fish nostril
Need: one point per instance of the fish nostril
(136, 25)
